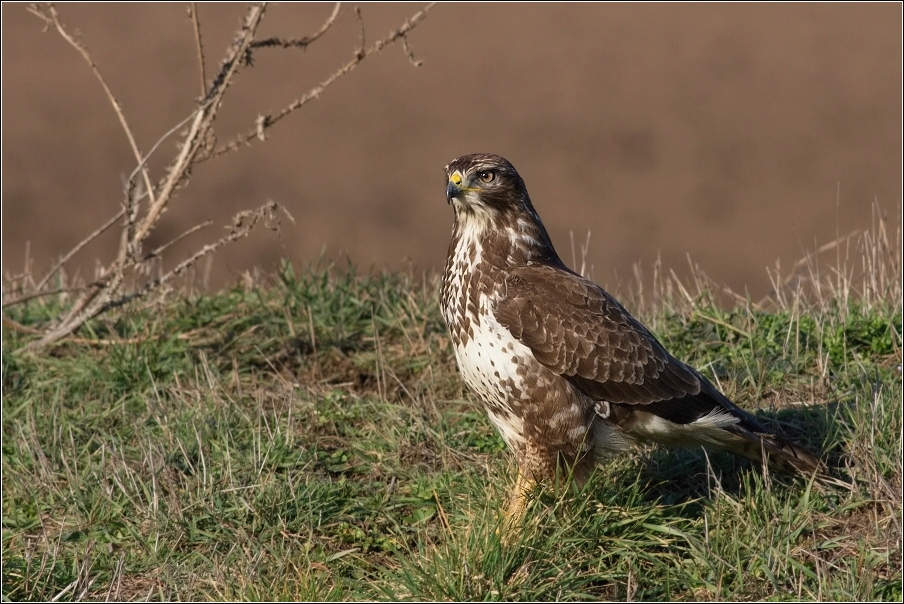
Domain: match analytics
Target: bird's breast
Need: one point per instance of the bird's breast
(495, 367)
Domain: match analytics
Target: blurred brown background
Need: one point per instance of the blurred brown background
(737, 134)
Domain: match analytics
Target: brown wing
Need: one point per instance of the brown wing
(578, 330)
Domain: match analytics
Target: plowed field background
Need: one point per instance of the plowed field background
(735, 134)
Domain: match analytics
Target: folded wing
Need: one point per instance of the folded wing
(576, 329)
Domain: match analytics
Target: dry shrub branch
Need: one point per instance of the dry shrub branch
(127, 277)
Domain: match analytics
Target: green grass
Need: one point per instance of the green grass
(309, 438)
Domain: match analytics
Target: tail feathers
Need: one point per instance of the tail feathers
(780, 454)
(709, 419)
(720, 429)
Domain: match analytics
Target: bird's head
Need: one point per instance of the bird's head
(491, 202)
(485, 186)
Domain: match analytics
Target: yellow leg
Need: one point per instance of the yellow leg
(524, 487)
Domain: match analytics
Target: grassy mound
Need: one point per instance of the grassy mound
(308, 438)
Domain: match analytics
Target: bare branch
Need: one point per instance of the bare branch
(242, 224)
(299, 42)
(410, 53)
(359, 52)
(197, 145)
(92, 304)
(165, 136)
(162, 248)
(266, 121)
(40, 294)
(238, 54)
(86, 307)
(199, 46)
(97, 233)
(10, 324)
(53, 18)
(203, 119)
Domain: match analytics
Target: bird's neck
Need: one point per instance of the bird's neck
(504, 242)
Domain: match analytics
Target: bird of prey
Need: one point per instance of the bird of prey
(565, 373)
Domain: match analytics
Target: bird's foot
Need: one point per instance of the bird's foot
(513, 520)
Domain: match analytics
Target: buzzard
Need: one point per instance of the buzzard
(565, 373)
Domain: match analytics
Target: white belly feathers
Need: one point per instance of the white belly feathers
(489, 366)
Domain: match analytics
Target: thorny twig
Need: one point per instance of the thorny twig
(203, 119)
(268, 120)
(242, 224)
(300, 42)
(106, 292)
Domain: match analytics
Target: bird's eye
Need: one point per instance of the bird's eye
(487, 176)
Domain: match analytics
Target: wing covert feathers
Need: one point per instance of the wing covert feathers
(576, 329)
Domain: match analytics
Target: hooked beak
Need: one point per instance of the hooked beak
(454, 188)
(452, 191)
